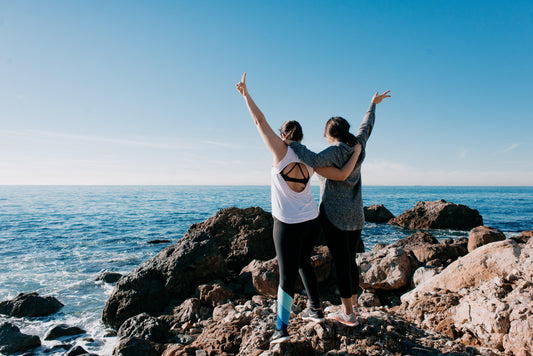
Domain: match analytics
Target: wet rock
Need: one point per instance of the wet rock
(109, 277)
(78, 350)
(30, 305)
(483, 235)
(63, 330)
(13, 341)
(377, 214)
(386, 269)
(439, 215)
(158, 241)
(173, 273)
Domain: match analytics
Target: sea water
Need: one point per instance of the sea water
(56, 240)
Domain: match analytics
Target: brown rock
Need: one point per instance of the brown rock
(439, 215)
(264, 276)
(483, 235)
(214, 294)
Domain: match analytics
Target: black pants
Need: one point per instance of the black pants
(343, 245)
(294, 244)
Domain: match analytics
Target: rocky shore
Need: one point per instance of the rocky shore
(213, 292)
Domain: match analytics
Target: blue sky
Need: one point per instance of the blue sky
(128, 92)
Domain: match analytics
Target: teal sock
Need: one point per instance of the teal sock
(284, 309)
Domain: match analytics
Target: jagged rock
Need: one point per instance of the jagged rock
(484, 298)
(439, 215)
(377, 214)
(322, 263)
(425, 247)
(188, 310)
(368, 299)
(109, 277)
(214, 293)
(63, 330)
(13, 341)
(30, 305)
(241, 235)
(173, 273)
(483, 235)
(144, 326)
(264, 276)
(386, 269)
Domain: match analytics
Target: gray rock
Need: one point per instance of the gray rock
(173, 273)
(13, 341)
(30, 305)
(377, 214)
(109, 277)
(144, 326)
(63, 330)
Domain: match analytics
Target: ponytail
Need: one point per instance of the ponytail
(337, 127)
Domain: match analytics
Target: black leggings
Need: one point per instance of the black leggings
(343, 245)
(294, 244)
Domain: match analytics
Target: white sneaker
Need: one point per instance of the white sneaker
(346, 319)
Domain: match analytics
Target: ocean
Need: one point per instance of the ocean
(56, 240)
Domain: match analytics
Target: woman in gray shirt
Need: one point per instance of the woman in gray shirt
(341, 203)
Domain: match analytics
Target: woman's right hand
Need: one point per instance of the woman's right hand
(241, 86)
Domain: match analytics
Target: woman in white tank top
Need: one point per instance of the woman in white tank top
(295, 213)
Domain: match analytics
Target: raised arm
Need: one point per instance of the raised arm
(365, 129)
(344, 172)
(271, 140)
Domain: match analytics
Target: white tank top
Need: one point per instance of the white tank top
(289, 206)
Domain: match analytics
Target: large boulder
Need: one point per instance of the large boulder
(13, 341)
(174, 273)
(439, 215)
(483, 235)
(385, 269)
(241, 236)
(377, 214)
(216, 249)
(30, 305)
(263, 275)
(484, 298)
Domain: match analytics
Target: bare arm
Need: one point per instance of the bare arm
(334, 173)
(271, 140)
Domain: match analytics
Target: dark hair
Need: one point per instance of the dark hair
(339, 128)
(292, 130)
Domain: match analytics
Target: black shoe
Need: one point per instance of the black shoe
(279, 336)
(313, 314)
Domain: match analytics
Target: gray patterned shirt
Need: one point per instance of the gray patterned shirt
(342, 201)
